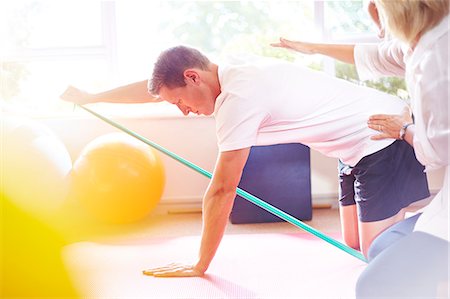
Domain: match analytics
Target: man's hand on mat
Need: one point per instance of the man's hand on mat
(302, 47)
(389, 125)
(174, 270)
(77, 96)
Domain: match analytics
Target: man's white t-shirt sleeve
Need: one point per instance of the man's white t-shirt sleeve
(238, 123)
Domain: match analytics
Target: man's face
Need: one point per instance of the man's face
(194, 97)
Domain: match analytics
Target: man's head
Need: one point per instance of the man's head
(185, 77)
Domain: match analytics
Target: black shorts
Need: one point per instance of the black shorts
(383, 183)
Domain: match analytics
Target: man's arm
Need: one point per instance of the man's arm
(131, 93)
(217, 204)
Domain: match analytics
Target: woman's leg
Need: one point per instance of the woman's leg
(416, 266)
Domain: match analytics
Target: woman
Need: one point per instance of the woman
(417, 264)
(415, 261)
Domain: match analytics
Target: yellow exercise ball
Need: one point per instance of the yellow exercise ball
(34, 166)
(31, 255)
(118, 179)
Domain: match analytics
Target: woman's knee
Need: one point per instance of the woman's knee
(363, 286)
(390, 236)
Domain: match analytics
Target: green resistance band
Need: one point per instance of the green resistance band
(255, 200)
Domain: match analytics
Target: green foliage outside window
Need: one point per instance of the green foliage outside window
(235, 26)
(229, 27)
(391, 85)
(11, 75)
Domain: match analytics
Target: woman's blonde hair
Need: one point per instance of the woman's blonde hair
(409, 19)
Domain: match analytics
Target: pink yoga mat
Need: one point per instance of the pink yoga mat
(246, 266)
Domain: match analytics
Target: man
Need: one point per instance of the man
(271, 102)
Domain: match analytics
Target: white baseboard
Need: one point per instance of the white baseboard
(194, 204)
(181, 205)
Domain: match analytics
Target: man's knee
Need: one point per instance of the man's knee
(352, 240)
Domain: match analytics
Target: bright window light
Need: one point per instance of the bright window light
(97, 45)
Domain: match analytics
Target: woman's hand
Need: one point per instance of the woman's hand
(389, 125)
(302, 47)
(375, 16)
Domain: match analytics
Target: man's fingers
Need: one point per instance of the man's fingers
(164, 268)
(156, 270)
(169, 270)
(178, 273)
(173, 270)
(159, 271)
(66, 92)
(148, 272)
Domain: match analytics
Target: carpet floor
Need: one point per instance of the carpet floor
(259, 265)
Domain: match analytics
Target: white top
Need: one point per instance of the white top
(274, 101)
(426, 73)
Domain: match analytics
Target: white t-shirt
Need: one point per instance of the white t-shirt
(426, 73)
(273, 101)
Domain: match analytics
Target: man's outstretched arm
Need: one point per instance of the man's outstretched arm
(132, 93)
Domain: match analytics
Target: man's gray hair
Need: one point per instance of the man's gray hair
(170, 66)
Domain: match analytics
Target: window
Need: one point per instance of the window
(348, 22)
(96, 45)
(46, 44)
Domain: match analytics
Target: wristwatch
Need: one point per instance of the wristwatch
(402, 132)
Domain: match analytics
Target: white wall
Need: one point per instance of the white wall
(192, 138)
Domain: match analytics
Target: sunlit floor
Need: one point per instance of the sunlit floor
(189, 224)
(269, 260)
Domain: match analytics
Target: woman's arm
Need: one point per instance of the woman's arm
(341, 52)
(393, 126)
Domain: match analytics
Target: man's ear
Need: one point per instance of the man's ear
(191, 76)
